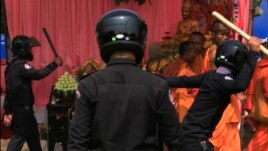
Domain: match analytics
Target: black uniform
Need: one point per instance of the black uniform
(211, 101)
(117, 109)
(19, 102)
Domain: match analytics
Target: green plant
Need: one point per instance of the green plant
(257, 9)
(257, 2)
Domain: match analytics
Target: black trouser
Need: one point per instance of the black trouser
(24, 129)
(196, 144)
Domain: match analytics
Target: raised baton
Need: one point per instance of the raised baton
(237, 29)
(50, 42)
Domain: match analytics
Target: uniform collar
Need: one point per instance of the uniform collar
(113, 61)
(18, 59)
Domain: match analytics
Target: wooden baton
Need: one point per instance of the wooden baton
(50, 42)
(237, 29)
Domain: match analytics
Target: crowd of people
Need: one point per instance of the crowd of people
(227, 134)
(195, 104)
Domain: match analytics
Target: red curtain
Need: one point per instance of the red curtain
(71, 25)
(244, 16)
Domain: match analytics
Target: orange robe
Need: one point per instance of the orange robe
(198, 64)
(209, 58)
(226, 134)
(182, 97)
(259, 141)
(173, 68)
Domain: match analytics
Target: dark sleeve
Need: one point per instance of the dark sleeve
(7, 104)
(81, 124)
(241, 81)
(7, 100)
(168, 122)
(30, 72)
(184, 81)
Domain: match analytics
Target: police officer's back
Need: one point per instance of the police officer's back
(121, 107)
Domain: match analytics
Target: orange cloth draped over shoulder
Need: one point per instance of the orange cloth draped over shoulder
(262, 65)
(226, 134)
(198, 64)
(259, 141)
(182, 97)
(209, 58)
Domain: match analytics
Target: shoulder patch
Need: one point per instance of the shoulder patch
(78, 94)
(27, 66)
(228, 78)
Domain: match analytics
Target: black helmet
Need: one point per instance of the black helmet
(21, 46)
(121, 29)
(232, 54)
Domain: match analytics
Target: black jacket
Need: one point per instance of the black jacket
(18, 77)
(118, 109)
(214, 94)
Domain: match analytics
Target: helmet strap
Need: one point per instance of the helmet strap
(14, 57)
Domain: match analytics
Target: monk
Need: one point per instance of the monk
(183, 97)
(219, 33)
(197, 39)
(259, 141)
(184, 66)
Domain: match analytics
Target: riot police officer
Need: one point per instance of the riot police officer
(235, 66)
(19, 100)
(121, 107)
